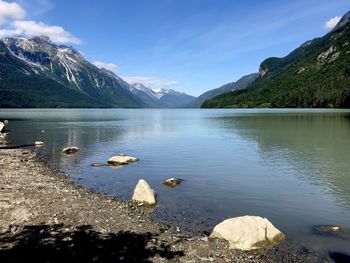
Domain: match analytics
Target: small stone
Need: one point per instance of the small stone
(328, 228)
(172, 182)
(121, 160)
(98, 164)
(70, 150)
(2, 126)
(205, 239)
(38, 143)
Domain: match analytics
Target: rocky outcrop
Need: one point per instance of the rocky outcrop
(121, 160)
(328, 56)
(248, 232)
(143, 193)
(2, 126)
(70, 150)
(172, 182)
(262, 71)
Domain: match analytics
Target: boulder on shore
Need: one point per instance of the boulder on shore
(2, 126)
(172, 182)
(248, 232)
(38, 143)
(70, 150)
(144, 193)
(121, 160)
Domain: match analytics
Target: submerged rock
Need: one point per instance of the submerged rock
(143, 193)
(38, 143)
(172, 182)
(248, 232)
(70, 150)
(98, 164)
(328, 228)
(121, 160)
(2, 126)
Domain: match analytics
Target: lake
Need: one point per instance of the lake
(291, 166)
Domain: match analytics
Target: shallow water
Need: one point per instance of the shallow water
(291, 166)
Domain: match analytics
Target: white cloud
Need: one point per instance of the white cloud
(10, 11)
(331, 23)
(12, 15)
(154, 82)
(110, 66)
(32, 28)
(9, 32)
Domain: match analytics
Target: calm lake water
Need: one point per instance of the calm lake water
(291, 166)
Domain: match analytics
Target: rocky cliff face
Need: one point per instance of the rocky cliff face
(343, 21)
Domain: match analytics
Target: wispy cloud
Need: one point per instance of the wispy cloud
(153, 82)
(110, 66)
(331, 23)
(10, 11)
(12, 15)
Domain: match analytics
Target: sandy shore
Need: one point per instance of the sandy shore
(44, 217)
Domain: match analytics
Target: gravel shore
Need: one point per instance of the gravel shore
(44, 217)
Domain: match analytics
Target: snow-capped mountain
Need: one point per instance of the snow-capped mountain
(36, 72)
(165, 98)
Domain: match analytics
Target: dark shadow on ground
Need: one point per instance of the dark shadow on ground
(339, 257)
(56, 243)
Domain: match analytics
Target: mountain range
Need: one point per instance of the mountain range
(315, 75)
(34, 72)
(241, 84)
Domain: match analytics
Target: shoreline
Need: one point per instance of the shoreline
(46, 217)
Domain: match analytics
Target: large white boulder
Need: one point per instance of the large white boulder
(143, 193)
(248, 232)
(2, 126)
(121, 160)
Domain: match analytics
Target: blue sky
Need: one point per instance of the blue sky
(188, 45)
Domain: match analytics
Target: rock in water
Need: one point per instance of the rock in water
(328, 228)
(121, 160)
(144, 193)
(248, 232)
(172, 182)
(2, 125)
(38, 143)
(70, 150)
(98, 164)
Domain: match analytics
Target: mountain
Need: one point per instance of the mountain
(162, 98)
(317, 74)
(240, 84)
(34, 72)
(173, 99)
